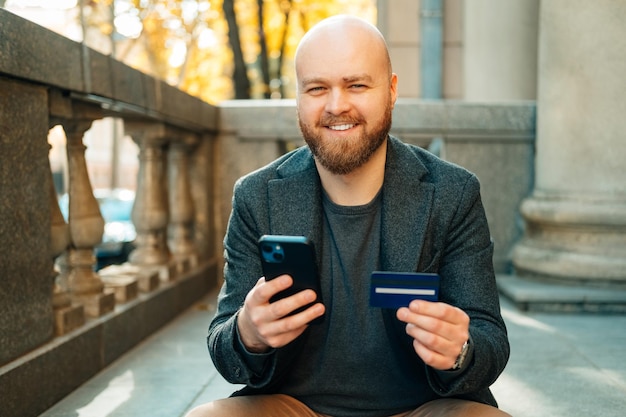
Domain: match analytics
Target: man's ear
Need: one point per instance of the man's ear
(394, 89)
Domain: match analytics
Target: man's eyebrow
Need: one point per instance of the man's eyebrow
(307, 81)
(358, 77)
(347, 79)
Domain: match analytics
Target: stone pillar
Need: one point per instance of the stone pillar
(181, 205)
(576, 216)
(500, 50)
(26, 319)
(398, 21)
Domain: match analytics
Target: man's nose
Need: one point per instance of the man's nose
(337, 102)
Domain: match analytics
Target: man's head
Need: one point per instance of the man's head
(345, 92)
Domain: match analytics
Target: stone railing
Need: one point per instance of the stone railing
(71, 314)
(190, 154)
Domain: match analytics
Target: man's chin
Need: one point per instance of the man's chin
(343, 162)
(338, 168)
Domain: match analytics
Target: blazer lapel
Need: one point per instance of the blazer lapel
(407, 206)
(295, 204)
(295, 199)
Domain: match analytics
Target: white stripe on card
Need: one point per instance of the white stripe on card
(404, 291)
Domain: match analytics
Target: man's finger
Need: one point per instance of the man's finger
(283, 307)
(266, 289)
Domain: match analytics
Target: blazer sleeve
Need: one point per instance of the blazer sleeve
(468, 282)
(242, 269)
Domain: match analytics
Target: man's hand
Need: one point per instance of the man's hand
(264, 325)
(439, 331)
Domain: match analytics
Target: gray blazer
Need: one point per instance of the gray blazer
(432, 221)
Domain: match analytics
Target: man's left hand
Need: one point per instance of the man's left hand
(438, 330)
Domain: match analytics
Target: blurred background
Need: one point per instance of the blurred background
(215, 50)
(212, 49)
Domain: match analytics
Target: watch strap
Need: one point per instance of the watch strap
(458, 363)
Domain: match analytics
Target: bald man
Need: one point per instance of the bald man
(368, 202)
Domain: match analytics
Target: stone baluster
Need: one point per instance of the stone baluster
(181, 205)
(59, 242)
(86, 226)
(68, 315)
(202, 178)
(150, 212)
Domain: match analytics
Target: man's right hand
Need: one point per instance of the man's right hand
(264, 325)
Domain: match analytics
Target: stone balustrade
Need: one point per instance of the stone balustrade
(72, 313)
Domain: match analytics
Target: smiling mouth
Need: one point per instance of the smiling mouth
(341, 127)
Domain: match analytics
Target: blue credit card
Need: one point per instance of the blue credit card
(398, 289)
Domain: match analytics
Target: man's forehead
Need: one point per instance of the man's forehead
(336, 32)
(341, 24)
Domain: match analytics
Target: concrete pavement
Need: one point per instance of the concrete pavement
(561, 365)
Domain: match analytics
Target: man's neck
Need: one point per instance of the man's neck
(359, 186)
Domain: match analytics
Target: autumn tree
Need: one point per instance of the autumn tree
(216, 49)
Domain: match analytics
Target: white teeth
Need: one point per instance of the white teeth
(341, 127)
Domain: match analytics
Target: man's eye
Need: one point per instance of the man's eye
(357, 86)
(315, 89)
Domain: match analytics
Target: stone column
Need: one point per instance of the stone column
(500, 50)
(576, 216)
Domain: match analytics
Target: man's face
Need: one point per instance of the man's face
(345, 100)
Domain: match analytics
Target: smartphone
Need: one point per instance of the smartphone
(295, 256)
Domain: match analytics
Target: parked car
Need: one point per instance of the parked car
(119, 232)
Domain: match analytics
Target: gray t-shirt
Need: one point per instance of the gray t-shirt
(347, 366)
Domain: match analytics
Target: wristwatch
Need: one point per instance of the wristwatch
(461, 358)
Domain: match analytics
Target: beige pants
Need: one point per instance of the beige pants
(280, 405)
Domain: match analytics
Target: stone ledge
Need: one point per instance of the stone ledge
(536, 296)
(34, 382)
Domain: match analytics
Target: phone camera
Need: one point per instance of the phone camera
(273, 253)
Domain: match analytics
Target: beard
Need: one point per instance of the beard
(342, 156)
